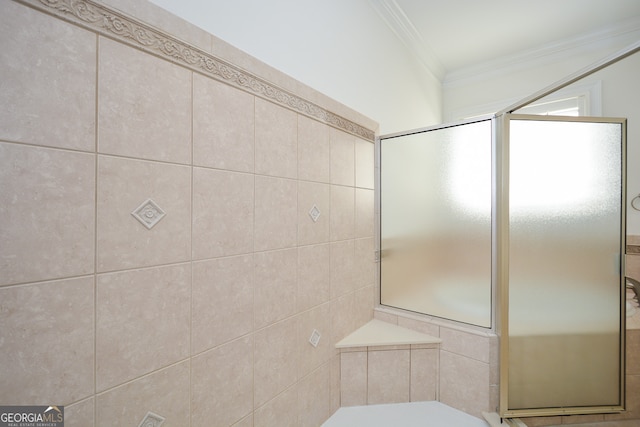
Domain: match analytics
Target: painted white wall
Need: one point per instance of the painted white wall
(620, 92)
(340, 48)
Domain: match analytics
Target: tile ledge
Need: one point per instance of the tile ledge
(379, 333)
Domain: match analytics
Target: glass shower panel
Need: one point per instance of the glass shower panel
(436, 222)
(565, 192)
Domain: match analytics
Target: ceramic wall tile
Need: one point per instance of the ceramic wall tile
(494, 396)
(342, 220)
(420, 326)
(356, 349)
(466, 344)
(276, 213)
(142, 322)
(632, 387)
(223, 206)
(314, 397)
(343, 320)
(334, 366)
(313, 150)
(364, 262)
(222, 301)
(541, 421)
(342, 157)
(386, 317)
(365, 164)
(223, 126)
(364, 218)
(47, 208)
(276, 286)
(275, 358)
(388, 376)
(47, 342)
(281, 411)
(123, 186)
(424, 375)
(313, 276)
(632, 266)
(245, 422)
(353, 378)
(222, 384)
(144, 105)
(80, 414)
(494, 360)
(185, 248)
(633, 352)
(313, 212)
(48, 75)
(342, 267)
(364, 302)
(164, 393)
(276, 140)
(317, 319)
(464, 383)
(582, 419)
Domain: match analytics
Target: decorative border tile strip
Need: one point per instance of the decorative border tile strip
(101, 19)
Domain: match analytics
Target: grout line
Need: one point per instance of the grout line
(95, 234)
(48, 147)
(367, 376)
(253, 269)
(255, 149)
(190, 372)
(142, 376)
(42, 281)
(410, 370)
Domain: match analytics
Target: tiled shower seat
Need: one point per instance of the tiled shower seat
(385, 363)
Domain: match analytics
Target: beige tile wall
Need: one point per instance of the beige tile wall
(388, 374)
(203, 319)
(461, 372)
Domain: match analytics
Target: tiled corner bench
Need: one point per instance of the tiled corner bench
(385, 363)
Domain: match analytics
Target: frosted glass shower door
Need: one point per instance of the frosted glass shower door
(436, 222)
(566, 234)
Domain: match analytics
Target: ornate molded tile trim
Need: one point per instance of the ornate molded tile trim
(105, 21)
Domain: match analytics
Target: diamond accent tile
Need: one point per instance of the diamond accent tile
(151, 420)
(148, 213)
(314, 213)
(314, 339)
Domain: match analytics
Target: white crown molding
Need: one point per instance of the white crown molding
(403, 28)
(628, 30)
(395, 18)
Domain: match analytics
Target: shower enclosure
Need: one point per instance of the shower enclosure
(527, 208)
(516, 224)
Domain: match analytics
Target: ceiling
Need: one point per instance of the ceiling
(450, 35)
